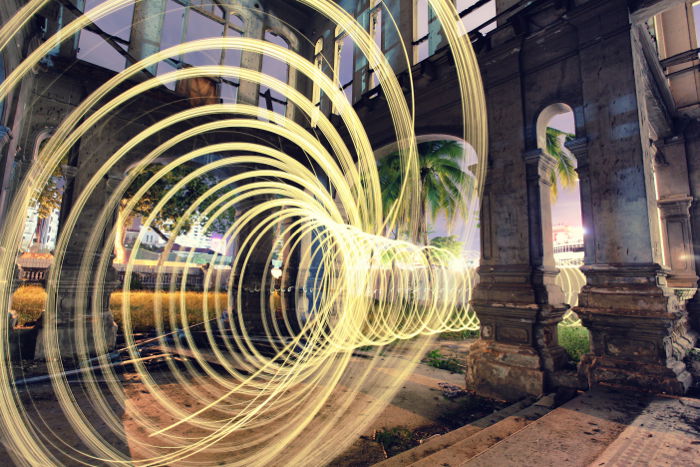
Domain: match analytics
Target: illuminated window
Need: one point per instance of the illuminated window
(344, 63)
(270, 98)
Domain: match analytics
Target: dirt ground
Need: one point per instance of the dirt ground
(418, 410)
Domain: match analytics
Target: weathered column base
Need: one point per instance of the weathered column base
(639, 329)
(70, 319)
(504, 371)
(66, 337)
(518, 351)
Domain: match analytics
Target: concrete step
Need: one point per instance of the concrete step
(482, 440)
(440, 442)
(572, 435)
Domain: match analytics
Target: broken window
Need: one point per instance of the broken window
(272, 99)
(93, 48)
(375, 31)
(189, 21)
(344, 63)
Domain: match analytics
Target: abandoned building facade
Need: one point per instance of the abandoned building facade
(627, 70)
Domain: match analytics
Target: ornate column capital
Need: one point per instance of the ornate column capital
(579, 148)
(675, 206)
(539, 164)
(69, 171)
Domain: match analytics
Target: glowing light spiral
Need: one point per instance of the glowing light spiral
(254, 403)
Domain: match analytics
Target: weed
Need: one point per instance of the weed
(395, 440)
(435, 359)
(575, 340)
(460, 335)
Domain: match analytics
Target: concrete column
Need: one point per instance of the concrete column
(146, 30)
(639, 331)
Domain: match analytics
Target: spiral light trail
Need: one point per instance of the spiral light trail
(301, 396)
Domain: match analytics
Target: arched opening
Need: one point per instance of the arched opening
(556, 126)
(272, 99)
(41, 226)
(449, 212)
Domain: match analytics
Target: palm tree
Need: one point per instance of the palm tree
(564, 169)
(443, 181)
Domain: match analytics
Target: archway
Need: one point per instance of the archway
(556, 126)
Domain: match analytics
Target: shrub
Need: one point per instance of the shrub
(28, 303)
(142, 308)
(435, 359)
(575, 340)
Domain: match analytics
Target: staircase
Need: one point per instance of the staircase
(474, 438)
(539, 433)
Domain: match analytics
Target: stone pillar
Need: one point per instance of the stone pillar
(254, 21)
(68, 317)
(639, 331)
(146, 30)
(674, 201)
(255, 298)
(519, 305)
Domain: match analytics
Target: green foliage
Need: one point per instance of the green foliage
(180, 202)
(564, 169)
(435, 359)
(395, 440)
(51, 194)
(449, 247)
(575, 340)
(460, 335)
(443, 182)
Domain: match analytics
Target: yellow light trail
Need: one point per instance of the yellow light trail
(369, 290)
